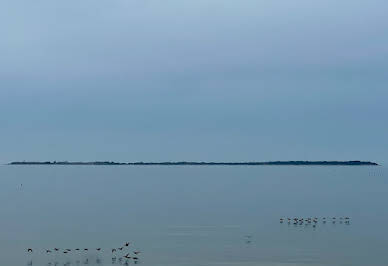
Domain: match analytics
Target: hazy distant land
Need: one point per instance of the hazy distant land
(348, 163)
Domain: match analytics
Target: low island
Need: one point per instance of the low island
(322, 163)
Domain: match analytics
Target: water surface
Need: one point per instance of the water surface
(193, 215)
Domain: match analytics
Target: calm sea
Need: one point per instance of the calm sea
(193, 215)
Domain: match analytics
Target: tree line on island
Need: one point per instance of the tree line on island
(197, 163)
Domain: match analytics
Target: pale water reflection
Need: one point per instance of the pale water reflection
(193, 215)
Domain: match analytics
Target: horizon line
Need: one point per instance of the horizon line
(293, 162)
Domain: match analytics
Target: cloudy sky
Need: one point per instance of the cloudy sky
(219, 80)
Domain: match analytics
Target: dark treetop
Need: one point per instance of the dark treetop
(351, 163)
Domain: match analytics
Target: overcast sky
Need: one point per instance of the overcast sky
(214, 80)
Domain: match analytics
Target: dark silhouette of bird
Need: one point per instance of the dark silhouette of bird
(120, 248)
(77, 249)
(86, 249)
(65, 252)
(68, 249)
(126, 244)
(29, 250)
(56, 249)
(135, 258)
(136, 252)
(48, 251)
(127, 256)
(98, 249)
(113, 250)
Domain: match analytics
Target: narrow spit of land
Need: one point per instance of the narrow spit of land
(324, 163)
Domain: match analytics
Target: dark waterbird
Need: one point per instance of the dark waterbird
(126, 244)
(113, 250)
(29, 250)
(98, 249)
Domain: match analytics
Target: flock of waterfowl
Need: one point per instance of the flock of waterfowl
(315, 220)
(133, 255)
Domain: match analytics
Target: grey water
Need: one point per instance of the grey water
(193, 215)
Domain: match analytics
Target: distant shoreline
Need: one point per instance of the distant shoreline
(296, 163)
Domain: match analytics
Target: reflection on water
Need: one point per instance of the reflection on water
(193, 215)
(87, 261)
